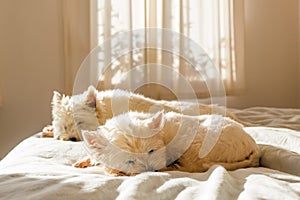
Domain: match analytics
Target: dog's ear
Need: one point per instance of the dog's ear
(157, 121)
(56, 104)
(91, 97)
(95, 140)
(56, 99)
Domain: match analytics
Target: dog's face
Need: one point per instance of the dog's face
(130, 143)
(72, 114)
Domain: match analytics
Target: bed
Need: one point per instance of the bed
(41, 168)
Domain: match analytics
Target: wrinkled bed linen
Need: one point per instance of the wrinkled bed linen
(41, 168)
(270, 117)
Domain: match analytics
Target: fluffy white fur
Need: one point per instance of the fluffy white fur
(136, 142)
(71, 114)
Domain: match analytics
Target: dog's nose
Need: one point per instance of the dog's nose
(73, 139)
(153, 170)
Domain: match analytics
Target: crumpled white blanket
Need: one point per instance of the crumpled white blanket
(270, 117)
(41, 168)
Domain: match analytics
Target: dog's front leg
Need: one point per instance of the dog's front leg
(175, 166)
(84, 163)
(48, 131)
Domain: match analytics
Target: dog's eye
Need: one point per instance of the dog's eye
(130, 162)
(151, 151)
(79, 123)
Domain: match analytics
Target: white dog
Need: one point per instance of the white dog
(136, 142)
(71, 114)
(92, 108)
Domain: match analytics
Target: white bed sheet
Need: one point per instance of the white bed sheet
(270, 117)
(41, 168)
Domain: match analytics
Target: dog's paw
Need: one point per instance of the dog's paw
(83, 163)
(114, 172)
(47, 131)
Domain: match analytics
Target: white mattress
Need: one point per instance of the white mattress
(41, 168)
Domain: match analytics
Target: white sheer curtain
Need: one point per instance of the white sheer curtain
(216, 25)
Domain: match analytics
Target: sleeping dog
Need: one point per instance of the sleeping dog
(92, 108)
(135, 142)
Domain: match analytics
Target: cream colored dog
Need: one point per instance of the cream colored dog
(71, 114)
(135, 142)
(92, 108)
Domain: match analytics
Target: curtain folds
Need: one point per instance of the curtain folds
(215, 25)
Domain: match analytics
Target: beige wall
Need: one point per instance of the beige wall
(32, 58)
(299, 54)
(271, 54)
(37, 59)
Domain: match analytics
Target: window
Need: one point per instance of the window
(217, 26)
